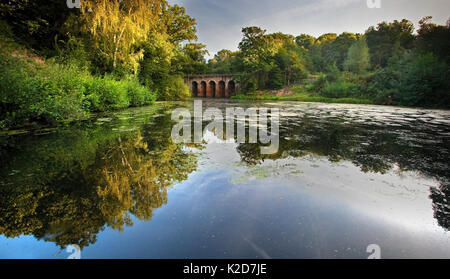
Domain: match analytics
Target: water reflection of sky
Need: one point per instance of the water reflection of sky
(292, 207)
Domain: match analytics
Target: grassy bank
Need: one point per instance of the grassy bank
(299, 93)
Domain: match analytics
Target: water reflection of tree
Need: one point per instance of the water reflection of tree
(374, 148)
(73, 185)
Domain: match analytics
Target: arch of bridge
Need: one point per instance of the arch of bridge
(212, 86)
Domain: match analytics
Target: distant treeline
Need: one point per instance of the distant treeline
(388, 64)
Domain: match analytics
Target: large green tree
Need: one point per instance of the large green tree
(35, 23)
(115, 27)
(257, 51)
(382, 39)
(434, 38)
(178, 25)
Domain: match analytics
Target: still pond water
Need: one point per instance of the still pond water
(345, 177)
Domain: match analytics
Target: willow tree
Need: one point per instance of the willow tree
(116, 27)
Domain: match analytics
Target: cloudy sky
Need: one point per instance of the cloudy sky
(219, 22)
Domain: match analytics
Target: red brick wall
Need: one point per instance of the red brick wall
(223, 87)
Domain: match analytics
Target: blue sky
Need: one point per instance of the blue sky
(219, 22)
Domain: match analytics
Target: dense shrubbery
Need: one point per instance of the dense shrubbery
(34, 90)
(414, 80)
(338, 89)
(173, 88)
(106, 94)
(31, 91)
(138, 95)
(424, 82)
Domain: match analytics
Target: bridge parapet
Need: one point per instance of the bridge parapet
(213, 85)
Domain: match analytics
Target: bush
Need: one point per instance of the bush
(105, 94)
(417, 80)
(339, 89)
(384, 84)
(73, 53)
(14, 102)
(138, 94)
(425, 82)
(52, 103)
(36, 90)
(333, 73)
(30, 91)
(319, 83)
(173, 89)
(49, 93)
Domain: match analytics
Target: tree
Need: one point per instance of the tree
(252, 37)
(222, 62)
(36, 22)
(156, 65)
(257, 53)
(195, 51)
(424, 82)
(434, 38)
(382, 39)
(268, 61)
(305, 41)
(178, 25)
(191, 59)
(281, 40)
(326, 38)
(335, 51)
(358, 58)
(223, 55)
(115, 27)
(318, 50)
(291, 63)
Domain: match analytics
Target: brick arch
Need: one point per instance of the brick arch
(206, 88)
(231, 88)
(212, 85)
(195, 88)
(221, 86)
(203, 88)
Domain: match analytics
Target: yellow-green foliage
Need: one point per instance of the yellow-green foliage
(34, 90)
(116, 27)
(174, 89)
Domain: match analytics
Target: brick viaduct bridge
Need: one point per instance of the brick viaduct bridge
(212, 85)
